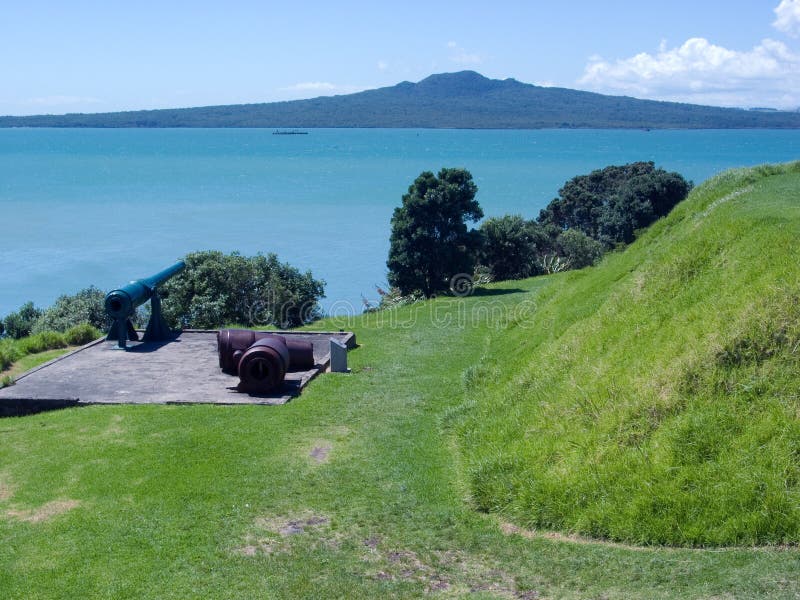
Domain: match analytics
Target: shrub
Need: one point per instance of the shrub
(392, 298)
(19, 324)
(86, 306)
(81, 334)
(9, 352)
(217, 288)
(578, 249)
(39, 342)
(511, 246)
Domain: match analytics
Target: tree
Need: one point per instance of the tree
(430, 241)
(86, 306)
(217, 289)
(610, 204)
(512, 245)
(20, 323)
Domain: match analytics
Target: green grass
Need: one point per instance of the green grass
(363, 487)
(655, 398)
(29, 361)
(14, 350)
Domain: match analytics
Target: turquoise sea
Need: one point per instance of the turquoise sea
(81, 207)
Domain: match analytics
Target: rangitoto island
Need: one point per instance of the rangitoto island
(463, 100)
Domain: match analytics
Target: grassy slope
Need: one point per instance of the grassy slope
(29, 361)
(230, 502)
(656, 398)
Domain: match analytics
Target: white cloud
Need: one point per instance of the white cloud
(460, 56)
(704, 73)
(788, 17)
(382, 65)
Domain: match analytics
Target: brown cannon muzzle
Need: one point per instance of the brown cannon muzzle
(231, 344)
(262, 366)
(261, 358)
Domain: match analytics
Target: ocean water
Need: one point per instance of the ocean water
(81, 207)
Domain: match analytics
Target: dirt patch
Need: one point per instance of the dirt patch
(372, 542)
(292, 524)
(321, 451)
(247, 550)
(449, 572)
(254, 547)
(301, 525)
(275, 534)
(44, 512)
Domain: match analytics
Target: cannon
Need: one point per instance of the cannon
(121, 305)
(261, 359)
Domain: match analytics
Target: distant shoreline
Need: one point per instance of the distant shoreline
(465, 100)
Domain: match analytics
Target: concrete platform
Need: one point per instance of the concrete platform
(183, 371)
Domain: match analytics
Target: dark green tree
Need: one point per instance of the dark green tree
(610, 204)
(430, 240)
(638, 202)
(219, 289)
(20, 323)
(512, 245)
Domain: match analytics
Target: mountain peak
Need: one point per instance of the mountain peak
(459, 83)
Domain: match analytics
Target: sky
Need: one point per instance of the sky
(80, 56)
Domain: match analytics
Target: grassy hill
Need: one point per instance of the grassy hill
(656, 398)
(464, 100)
(554, 402)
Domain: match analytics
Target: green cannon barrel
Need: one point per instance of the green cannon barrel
(121, 305)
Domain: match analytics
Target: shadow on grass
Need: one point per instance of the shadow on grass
(484, 292)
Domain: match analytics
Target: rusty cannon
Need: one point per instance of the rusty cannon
(261, 359)
(121, 305)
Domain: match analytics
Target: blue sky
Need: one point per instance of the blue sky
(58, 57)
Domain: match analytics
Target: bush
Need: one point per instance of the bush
(81, 334)
(19, 324)
(217, 289)
(86, 306)
(9, 352)
(39, 342)
(578, 249)
(511, 246)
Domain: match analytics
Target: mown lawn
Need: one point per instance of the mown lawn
(352, 490)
